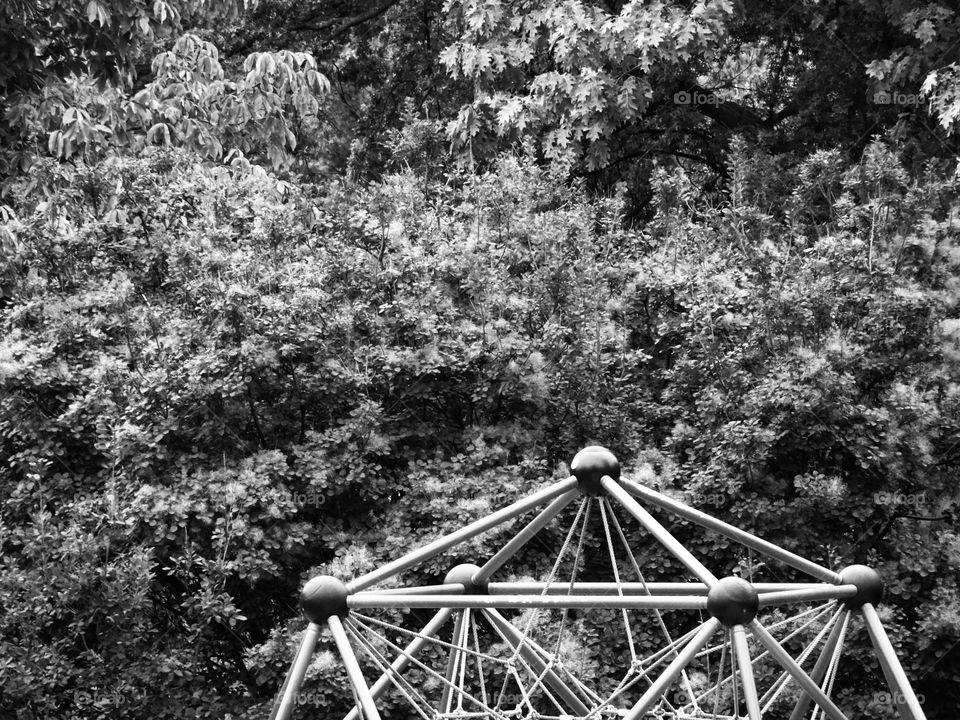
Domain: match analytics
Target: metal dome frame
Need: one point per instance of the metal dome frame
(467, 593)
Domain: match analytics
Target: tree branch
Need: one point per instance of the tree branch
(347, 24)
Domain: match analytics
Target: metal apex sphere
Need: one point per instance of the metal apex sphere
(463, 575)
(733, 601)
(322, 597)
(869, 585)
(591, 464)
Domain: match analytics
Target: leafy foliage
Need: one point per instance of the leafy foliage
(189, 104)
(46, 43)
(45, 39)
(575, 72)
(234, 386)
(604, 87)
(224, 368)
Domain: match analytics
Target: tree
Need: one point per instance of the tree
(613, 83)
(381, 58)
(190, 103)
(44, 42)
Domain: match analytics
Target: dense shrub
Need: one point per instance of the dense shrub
(216, 384)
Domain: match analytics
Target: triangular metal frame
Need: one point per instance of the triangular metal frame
(731, 602)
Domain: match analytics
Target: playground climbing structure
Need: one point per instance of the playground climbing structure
(697, 646)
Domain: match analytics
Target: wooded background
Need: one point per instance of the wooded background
(291, 287)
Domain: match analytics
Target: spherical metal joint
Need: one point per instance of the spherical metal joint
(869, 585)
(733, 601)
(322, 597)
(590, 465)
(463, 575)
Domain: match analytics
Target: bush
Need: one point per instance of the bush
(217, 384)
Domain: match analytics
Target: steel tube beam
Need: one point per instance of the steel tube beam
(533, 655)
(472, 530)
(453, 661)
(283, 707)
(632, 602)
(903, 695)
(752, 541)
(278, 701)
(451, 589)
(790, 665)
(670, 673)
(401, 663)
(355, 675)
(636, 588)
(828, 592)
(523, 537)
(747, 681)
(658, 531)
(820, 667)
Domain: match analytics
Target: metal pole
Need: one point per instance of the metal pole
(829, 592)
(279, 699)
(534, 656)
(400, 664)
(659, 531)
(597, 588)
(748, 539)
(683, 658)
(820, 668)
(628, 602)
(283, 707)
(472, 530)
(523, 537)
(747, 681)
(633, 588)
(903, 695)
(367, 705)
(790, 665)
(451, 589)
(453, 661)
